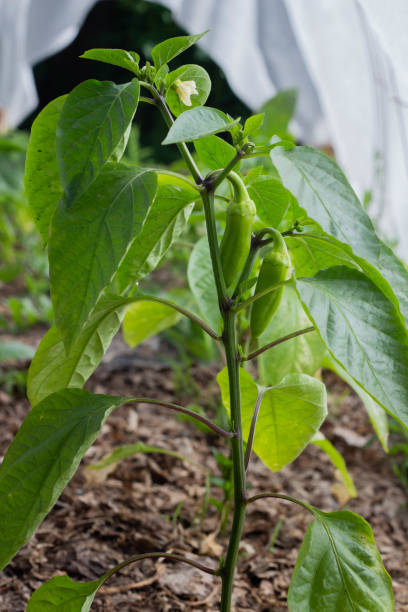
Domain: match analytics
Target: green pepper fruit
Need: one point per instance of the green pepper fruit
(236, 241)
(275, 269)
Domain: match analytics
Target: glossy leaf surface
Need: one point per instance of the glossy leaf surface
(363, 332)
(302, 354)
(168, 49)
(62, 593)
(53, 368)
(118, 57)
(42, 178)
(146, 319)
(214, 152)
(43, 458)
(166, 220)
(93, 120)
(196, 123)
(290, 415)
(324, 192)
(90, 239)
(339, 568)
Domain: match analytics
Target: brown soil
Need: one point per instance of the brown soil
(155, 502)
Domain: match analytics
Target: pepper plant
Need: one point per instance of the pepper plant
(290, 273)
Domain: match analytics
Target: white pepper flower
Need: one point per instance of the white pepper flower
(184, 90)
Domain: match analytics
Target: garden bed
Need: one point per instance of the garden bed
(155, 502)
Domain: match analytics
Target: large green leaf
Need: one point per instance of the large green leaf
(202, 285)
(165, 51)
(118, 57)
(275, 205)
(93, 120)
(146, 319)
(42, 179)
(189, 72)
(376, 413)
(363, 332)
(214, 152)
(313, 250)
(166, 219)
(324, 192)
(43, 458)
(53, 368)
(302, 354)
(90, 239)
(290, 415)
(339, 568)
(63, 594)
(196, 123)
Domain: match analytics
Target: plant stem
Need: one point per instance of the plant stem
(251, 435)
(218, 430)
(231, 351)
(168, 118)
(299, 332)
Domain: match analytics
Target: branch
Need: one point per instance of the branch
(257, 296)
(187, 313)
(276, 342)
(218, 430)
(213, 182)
(280, 496)
(156, 555)
(251, 436)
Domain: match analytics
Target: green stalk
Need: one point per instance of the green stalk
(228, 569)
(231, 350)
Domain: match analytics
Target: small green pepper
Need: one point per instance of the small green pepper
(236, 241)
(275, 269)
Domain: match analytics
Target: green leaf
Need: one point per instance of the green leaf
(43, 458)
(313, 250)
(214, 152)
(62, 593)
(253, 124)
(118, 57)
(376, 413)
(146, 319)
(42, 179)
(201, 282)
(302, 354)
(11, 350)
(166, 220)
(290, 415)
(90, 239)
(93, 121)
(165, 51)
(53, 369)
(335, 457)
(339, 568)
(275, 205)
(198, 122)
(324, 192)
(130, 450)
(363, 332)
(189, 72)
(278, 111)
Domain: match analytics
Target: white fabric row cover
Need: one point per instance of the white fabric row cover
(347, 58)
(349, 61)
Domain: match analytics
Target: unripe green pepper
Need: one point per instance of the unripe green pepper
(236, 241)
(275, 269)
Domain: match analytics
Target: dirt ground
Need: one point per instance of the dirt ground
(153, 502)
